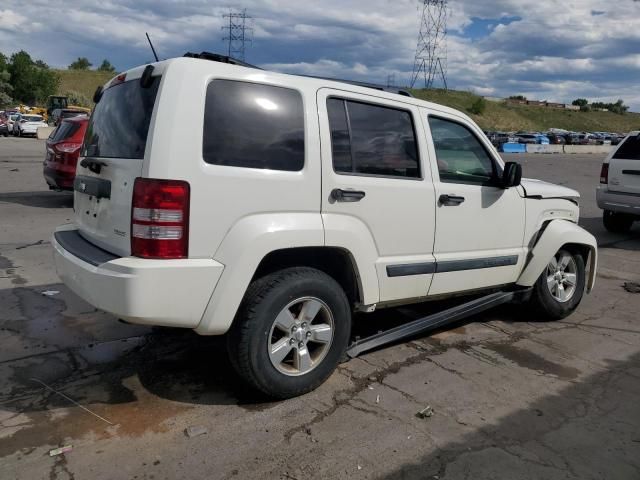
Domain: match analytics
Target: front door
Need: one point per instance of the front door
(377, 195)
(479, 225)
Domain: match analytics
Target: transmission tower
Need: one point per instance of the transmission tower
(237, 33)
(430, 62)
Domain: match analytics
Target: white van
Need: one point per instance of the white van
(286, 203)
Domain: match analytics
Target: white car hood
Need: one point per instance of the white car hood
(538, 189)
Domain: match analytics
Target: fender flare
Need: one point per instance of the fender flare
(557, 234)
(248, 242)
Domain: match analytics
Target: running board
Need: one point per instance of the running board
(434, 321)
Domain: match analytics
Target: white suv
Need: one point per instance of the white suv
(619, 192)
(287, 203)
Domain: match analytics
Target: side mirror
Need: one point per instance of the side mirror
(512, 175)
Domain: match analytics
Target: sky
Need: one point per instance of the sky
(545, 50)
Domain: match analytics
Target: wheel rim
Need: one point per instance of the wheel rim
(562, 277)
(301, 336)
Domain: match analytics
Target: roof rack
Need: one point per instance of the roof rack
(215, 57)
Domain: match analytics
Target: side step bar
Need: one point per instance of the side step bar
(434, 321)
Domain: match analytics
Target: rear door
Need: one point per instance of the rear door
(377, 197)
(624, 167)
(112, 157)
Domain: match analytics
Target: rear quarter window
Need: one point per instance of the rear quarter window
(629, 149)
(253, 126)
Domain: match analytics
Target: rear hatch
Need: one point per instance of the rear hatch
(111, 159)
(624, 166)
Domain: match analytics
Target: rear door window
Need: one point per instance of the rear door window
(119, 125)
(369, 139)
(253, 125)
(629, 150)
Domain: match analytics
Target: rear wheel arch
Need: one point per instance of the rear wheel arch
(336, 262)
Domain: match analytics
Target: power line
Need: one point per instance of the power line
(430, 62)
(238, 33)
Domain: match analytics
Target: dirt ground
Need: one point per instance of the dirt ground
(512, 397)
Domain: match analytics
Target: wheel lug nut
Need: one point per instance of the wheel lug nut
(308, 334)
(301, 344)
(295, 328)
(292, 342)
(304, 325)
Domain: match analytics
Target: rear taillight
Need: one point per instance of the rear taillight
(160, 218)
(68, 147)
(604, 173)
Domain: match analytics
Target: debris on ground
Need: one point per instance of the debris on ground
(14, 170)
(373, 378)
(378, 399)
(60, 451)
(632, 287)
(425, 412)
(50, 293)
(195, 430)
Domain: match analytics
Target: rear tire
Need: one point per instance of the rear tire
(560, 287)
(617, 222)
(290, 332)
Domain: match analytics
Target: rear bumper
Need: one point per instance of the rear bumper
(59, 178)
(171, 293)
(618, 201)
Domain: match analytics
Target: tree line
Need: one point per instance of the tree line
(29, 81)
(618, 107)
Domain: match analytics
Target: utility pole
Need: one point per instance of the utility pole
(430, 61)
(391, 80)
(237, 33)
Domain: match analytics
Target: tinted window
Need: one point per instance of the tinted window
(252, 125)
(630, 149)
(119, 125)
(372, 140)
(460, 155)
(64, 130)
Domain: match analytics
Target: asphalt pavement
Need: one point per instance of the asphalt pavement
(512, 397)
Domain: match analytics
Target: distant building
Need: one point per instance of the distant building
(536, 103)
(572, 107)
(555, 105)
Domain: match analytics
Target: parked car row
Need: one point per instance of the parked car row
(20, 124)
(555, 137)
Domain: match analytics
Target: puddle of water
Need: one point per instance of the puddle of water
(533, 361)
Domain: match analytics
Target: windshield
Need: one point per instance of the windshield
(32, 118)
(119, 124)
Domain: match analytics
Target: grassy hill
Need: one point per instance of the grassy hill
(508, 117)
(81, 82)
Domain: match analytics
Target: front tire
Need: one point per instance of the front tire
(560, 288)
(617, 222)
(290, 332)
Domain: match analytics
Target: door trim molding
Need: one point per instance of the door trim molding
(408, 269)
(404, 270)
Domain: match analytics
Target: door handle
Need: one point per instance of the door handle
(340, 195)
(450, 200)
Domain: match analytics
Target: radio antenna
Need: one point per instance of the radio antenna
(152, 49)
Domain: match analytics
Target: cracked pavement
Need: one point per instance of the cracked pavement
(512, 397)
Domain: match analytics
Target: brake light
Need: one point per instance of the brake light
(604, 173)
(68, 147)
(160, 218)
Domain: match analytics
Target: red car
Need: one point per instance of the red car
(63, 150)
